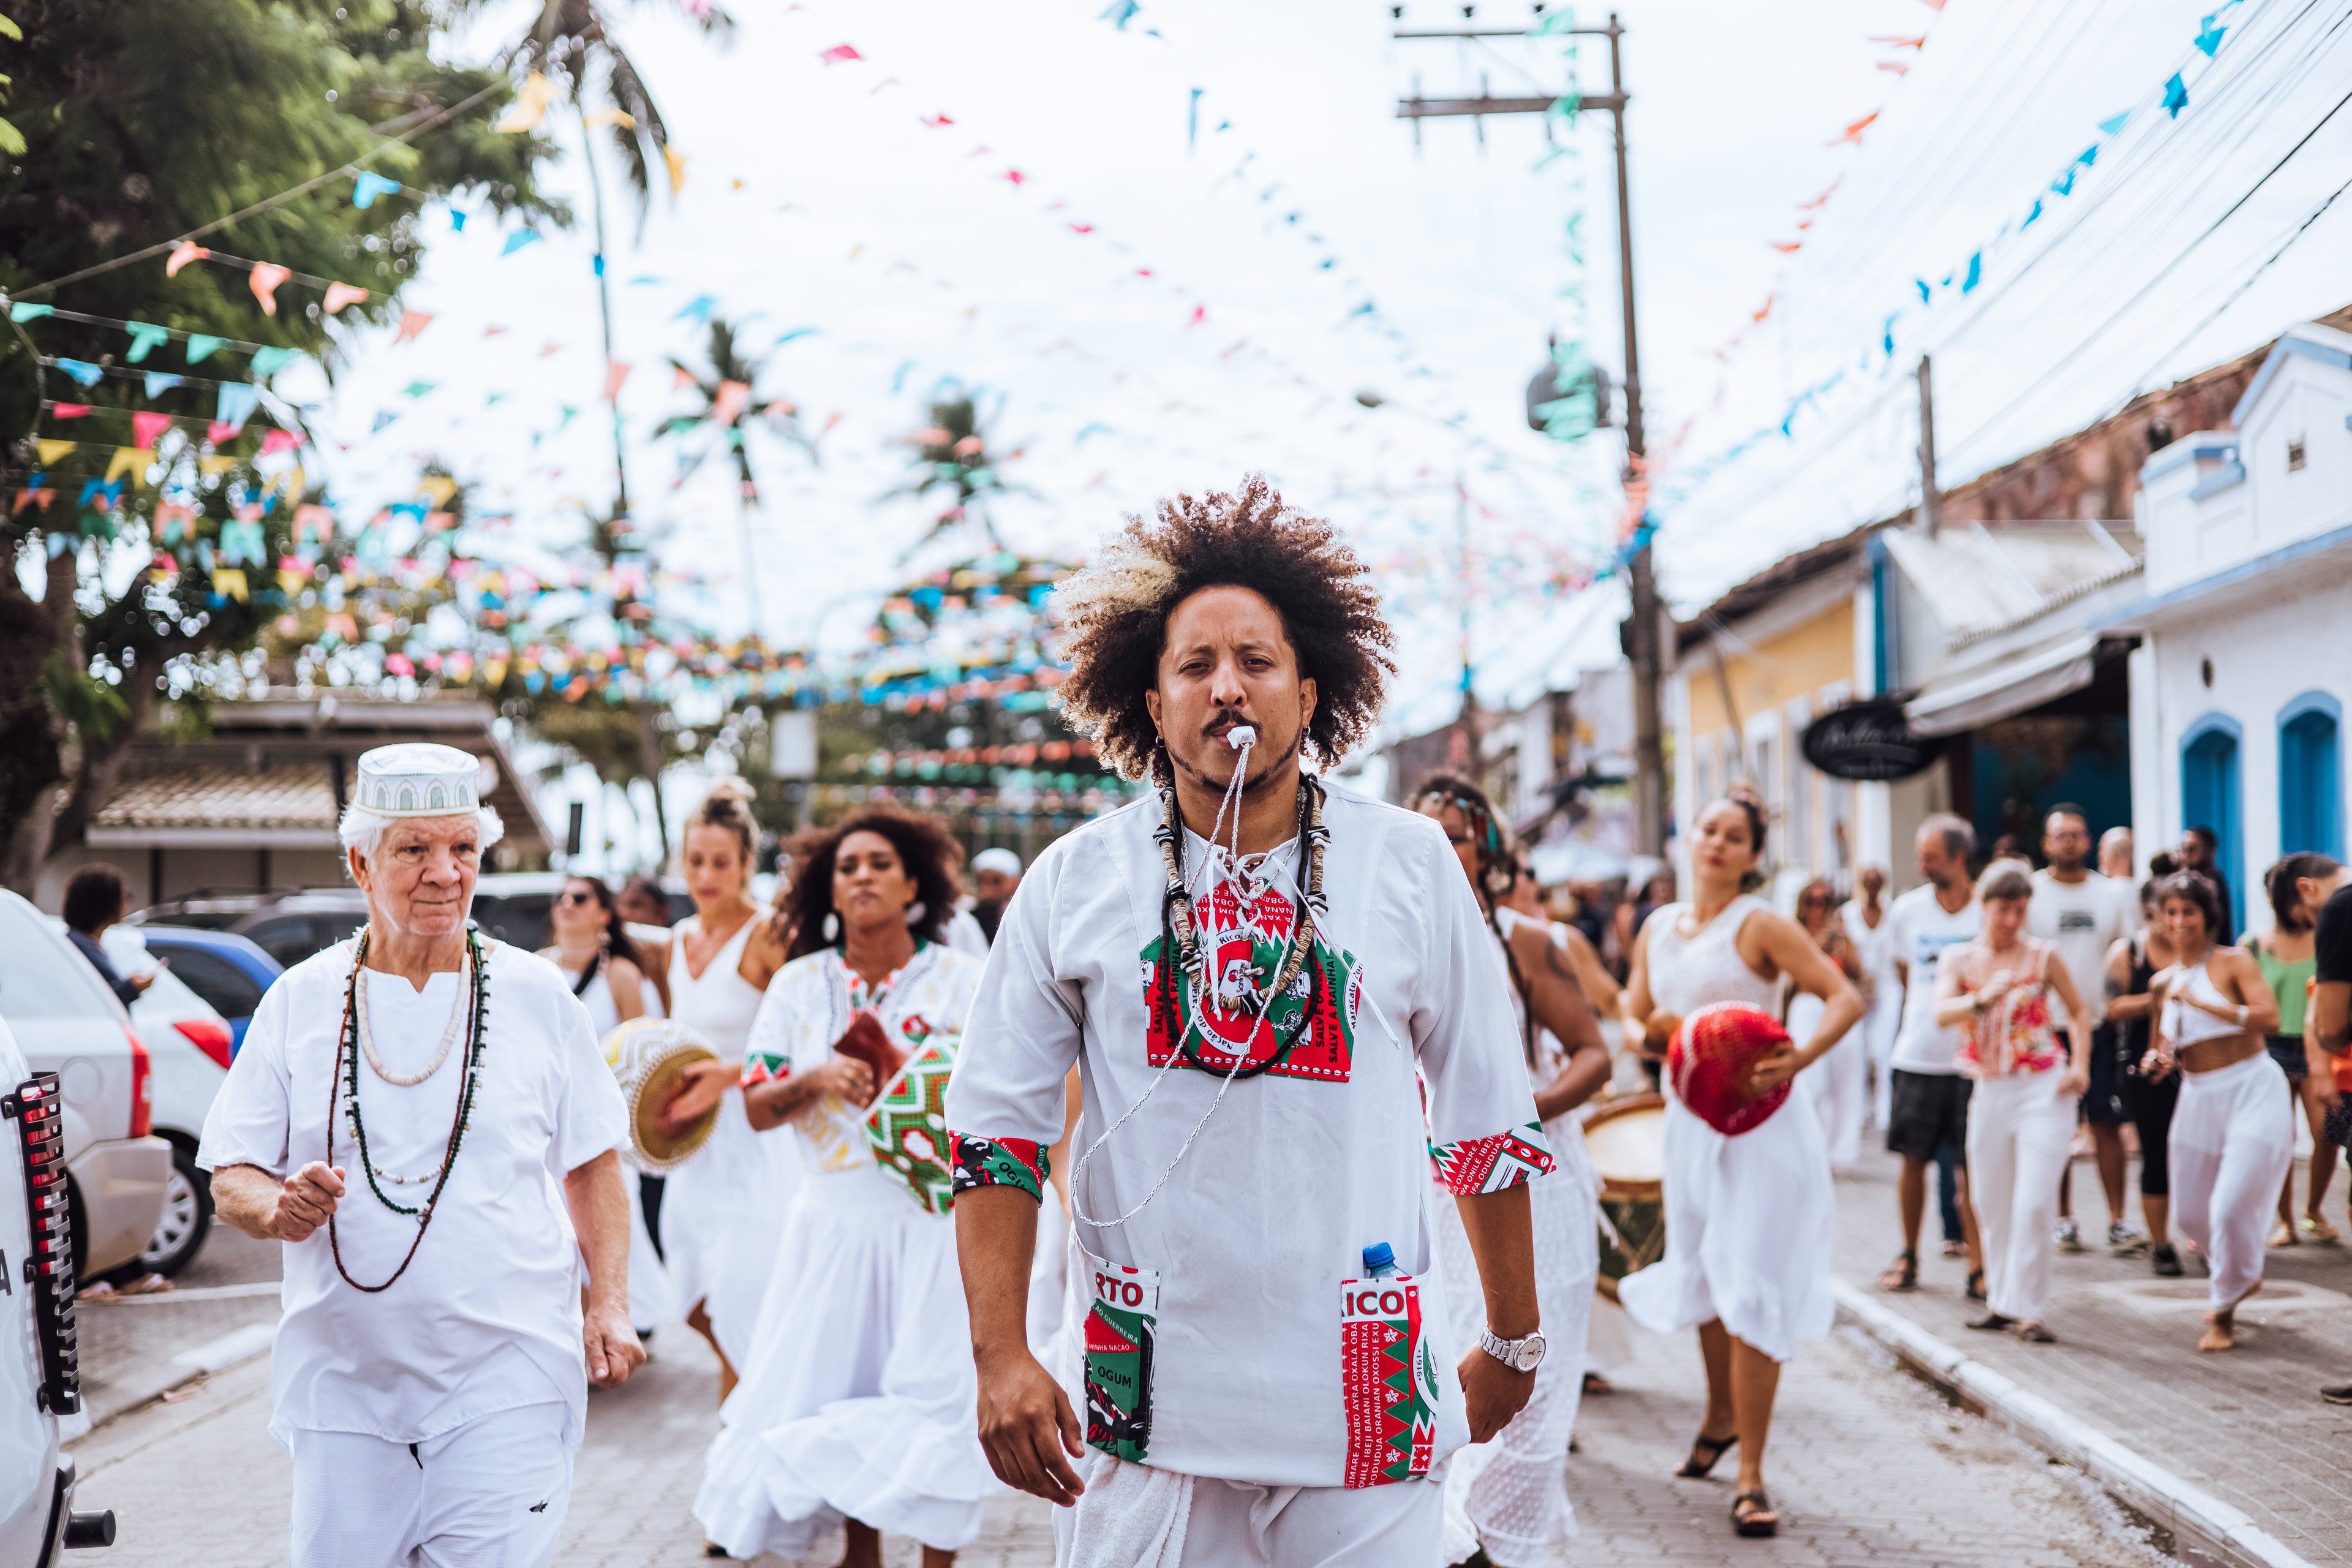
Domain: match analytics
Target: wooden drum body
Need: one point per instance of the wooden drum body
(1626, 1139)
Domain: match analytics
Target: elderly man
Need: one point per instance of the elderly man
(404, 1110)
(995, 874)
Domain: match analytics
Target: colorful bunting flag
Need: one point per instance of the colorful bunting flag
(127, 460)
(144, 336)
(1854, 133)
(24, 311)
(530, 106)
(266, 276)
(201, 346)
(238, 400)
(81, 369)
(412, 322)
(518, 239)
(146, 426)
(69, 410)
(278, 441)
(676, 159)
(53, 452)
(340, 295)
(269, 359)
(367, 184)
(181, 254)
(839, 54)
(2176, 96)
(615, 372)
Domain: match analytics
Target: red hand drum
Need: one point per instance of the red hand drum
(1712, 1063)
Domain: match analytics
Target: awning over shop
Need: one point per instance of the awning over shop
(1969, 698)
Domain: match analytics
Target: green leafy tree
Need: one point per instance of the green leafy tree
(726, 390)
(142, 122)
(952, 454)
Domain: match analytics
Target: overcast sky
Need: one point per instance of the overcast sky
(1142, 312)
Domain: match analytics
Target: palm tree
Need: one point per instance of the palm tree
(726, 388)
(953, 452)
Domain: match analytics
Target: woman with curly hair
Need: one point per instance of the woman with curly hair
(1256, 971)
(856, 1407)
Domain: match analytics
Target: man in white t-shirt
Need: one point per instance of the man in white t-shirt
(1864, 916)
(1929, 1111)
(2082, 915)
(1253, 1010)
(424, 1118)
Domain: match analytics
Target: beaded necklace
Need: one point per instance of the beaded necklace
(1180, 937)
(346, 1077)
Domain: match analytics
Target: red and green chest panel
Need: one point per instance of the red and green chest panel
(1308, 1031)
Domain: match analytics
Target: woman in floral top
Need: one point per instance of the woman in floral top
(1997, 990)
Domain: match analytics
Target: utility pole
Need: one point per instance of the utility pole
(1643, 628)
(1931, 500)
(1472, 763)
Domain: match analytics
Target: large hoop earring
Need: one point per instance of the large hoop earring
(915, 911)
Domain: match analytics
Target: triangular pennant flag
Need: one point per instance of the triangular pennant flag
(839, 54)
(601, 118)
(367, 185)
(144, 336)
(22, 311)
(278, 441)
(219, 433)
(518, 239)
(130, 460)
(2176, 96)
(269, 360)
(2208, 36)
(699, 307)
(266, 276)
(81, 369)
(529, 105)
(161, 382)
(201, 345)
(214, 467)
(411, 323)
(181, 254)
(615, 372)
(728, 406)
(2109, 127)
(457, 220)
(69, 410)
(145, 427)
(238, 400)
(677, 162)
(1976, 272)
(55, 451)
(340, 295)
(419, 388)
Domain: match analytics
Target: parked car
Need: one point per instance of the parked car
(514, 906)
(39, 1382)
(70, 1023)
(189, 1045)
(228, 971)
(289, 925)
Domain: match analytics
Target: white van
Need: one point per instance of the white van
(39, 1380)
(66, 1022)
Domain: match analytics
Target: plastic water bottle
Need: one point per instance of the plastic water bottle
(1380, 1260)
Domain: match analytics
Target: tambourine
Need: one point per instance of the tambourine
(649, 1058)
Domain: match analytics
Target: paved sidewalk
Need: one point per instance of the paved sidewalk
(1868, 1466)
(2247, 1426)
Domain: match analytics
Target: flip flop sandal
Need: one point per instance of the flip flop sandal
(2318, 1231)
(1903, 1275)
(1706, 1452)
(2035, 1334)
(1752, 1515)
(1975, 1292)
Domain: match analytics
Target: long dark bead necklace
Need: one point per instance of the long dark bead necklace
(346, 1077)
(1180, 937)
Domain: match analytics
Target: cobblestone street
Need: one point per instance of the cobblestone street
(1868, 1466)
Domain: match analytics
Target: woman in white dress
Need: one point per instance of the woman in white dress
(1749, 1219)
(859, 1405)
(723, 1209)
(1509, 1495)
(2234, 1129)
(602, 966)
(1840, 1087)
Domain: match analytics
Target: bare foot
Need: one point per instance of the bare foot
(2221, 1328)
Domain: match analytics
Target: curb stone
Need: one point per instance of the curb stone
(2140, 1483)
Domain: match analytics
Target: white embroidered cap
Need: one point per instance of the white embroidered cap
(418, 779)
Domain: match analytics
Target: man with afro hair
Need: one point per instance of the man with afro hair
(1283, 1004)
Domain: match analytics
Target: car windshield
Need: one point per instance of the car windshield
(40, 975)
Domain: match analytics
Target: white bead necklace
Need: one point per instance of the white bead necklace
(449, 1039)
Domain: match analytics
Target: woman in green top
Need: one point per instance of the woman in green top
(2287, 960)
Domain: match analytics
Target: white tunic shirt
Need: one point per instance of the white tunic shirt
(1232, 1348)
(488, 1316)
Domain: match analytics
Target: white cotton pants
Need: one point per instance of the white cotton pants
(1238, 1524)
(2233, 1142)
(1839, 1086)
(2020, 1131)
(489, 1494)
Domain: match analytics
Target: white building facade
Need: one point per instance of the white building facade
(2243, 671)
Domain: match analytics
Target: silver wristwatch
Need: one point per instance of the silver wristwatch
(1521, 1355)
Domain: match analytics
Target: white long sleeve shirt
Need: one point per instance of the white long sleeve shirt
(1226, 1339)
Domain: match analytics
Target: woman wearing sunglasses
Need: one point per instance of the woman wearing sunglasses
(593, 950)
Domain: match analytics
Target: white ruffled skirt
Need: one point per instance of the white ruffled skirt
(858, 1399)
(1510, 1494)
(722, 1215)
(1750, 1224)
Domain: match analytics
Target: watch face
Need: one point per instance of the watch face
(1530, 1352)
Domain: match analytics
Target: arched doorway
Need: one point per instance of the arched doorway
(2210, 798)
(2311, 775)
